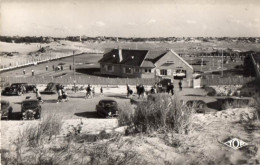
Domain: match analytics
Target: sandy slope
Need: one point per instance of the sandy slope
(202, 145)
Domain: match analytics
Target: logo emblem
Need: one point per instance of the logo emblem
(235, 143)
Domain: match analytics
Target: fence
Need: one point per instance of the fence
(40, 59)
(226, 81)
(79, 80)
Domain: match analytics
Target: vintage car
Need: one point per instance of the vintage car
(31, 109)
(18, 89)
(107, 108)
(51, 88)
(6, 110)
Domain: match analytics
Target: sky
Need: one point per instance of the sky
(131, 18)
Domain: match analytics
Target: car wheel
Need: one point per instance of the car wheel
(38, 116)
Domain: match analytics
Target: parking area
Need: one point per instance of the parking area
(76, 107)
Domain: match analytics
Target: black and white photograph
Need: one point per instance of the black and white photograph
(129, 82)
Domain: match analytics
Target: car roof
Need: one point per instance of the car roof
(4, 101)
(30, 100)
(108, 100)
(19, 83)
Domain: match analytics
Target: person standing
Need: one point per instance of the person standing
(180, 85)
(168, 88)
(59, 95)
(70, 67)
(32, 72)
(24, 72)
(46, 68)
(172, 89)
(61, 67)
(38, 95)
(93, 92)
(101, 91)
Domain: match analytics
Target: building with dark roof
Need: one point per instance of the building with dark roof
(144, 64)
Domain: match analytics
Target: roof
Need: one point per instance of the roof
(133, 57)
(129, 57)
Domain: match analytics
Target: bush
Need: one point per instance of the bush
(163, 115)
(210, 91)
(48, 128)
(257, 106)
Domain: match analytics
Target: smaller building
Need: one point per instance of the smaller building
(131, 63)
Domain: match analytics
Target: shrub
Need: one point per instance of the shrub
(163, 115)
(49, 127)
(210, 91)
(257, 106)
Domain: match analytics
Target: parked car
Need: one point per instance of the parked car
(51, 88)
(6, 110)
(107, 108)
(31, 109)
(18, 89)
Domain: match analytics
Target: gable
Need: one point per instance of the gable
(172, 58)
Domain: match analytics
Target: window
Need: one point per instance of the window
(145, 70)
(102, 66)
(110, 68)
(163, 72)
(128, 70)
(137, 70)
(149, 70)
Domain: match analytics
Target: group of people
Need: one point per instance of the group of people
(139, 88)
(90, 91)
(157, 88)
(62, 94)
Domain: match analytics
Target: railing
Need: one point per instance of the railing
(38, 60)
(83, 80)
(226, 81)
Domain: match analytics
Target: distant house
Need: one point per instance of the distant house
(144, 64)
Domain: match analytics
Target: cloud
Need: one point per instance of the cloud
(151, 21)
(100, 23)
(190, 21)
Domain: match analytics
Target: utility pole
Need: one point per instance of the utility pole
(201, 64)
(222, 64)
(74, 80)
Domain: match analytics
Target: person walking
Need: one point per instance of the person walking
(180, 85)
(64, 94)
(24, 72)
(88, 89)
(46, 68)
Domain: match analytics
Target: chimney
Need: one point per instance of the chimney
(120, 54)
